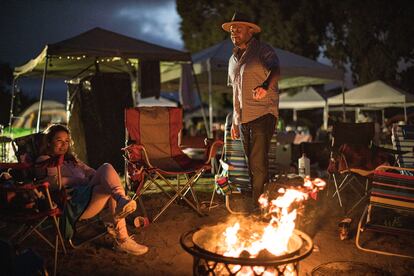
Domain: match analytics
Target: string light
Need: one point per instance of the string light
(110, 59)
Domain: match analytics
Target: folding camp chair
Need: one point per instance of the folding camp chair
(391, 196)
(402, 137)
(153, 155)
(351, 154)
(29, 206)
(233, 176)
(27, 149)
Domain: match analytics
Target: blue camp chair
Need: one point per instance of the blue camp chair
(403, 141)
(233, 175)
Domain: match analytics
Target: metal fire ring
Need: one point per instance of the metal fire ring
(188, 245)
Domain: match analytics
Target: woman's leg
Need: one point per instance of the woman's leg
(107, 186)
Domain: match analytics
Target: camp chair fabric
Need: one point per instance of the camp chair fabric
(351, 160)
(233, 166)
(29, 205)
(393, 191)
(402, 137)
(154, 153)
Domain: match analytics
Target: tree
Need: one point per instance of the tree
(6, 76)
(373, 37)
(293, 25)
(21, 101)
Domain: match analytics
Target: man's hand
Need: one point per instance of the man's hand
(259, 93)
(235, 133)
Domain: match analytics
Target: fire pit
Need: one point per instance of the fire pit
(208, 262)
(265, 245)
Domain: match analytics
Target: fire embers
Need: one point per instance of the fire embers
(273, 231)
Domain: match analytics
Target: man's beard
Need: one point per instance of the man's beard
(237, 41)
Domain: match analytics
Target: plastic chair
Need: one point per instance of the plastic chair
(351, 161)
(391, 191)
(153, 155)
(29, 205)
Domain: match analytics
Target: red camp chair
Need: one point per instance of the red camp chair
(351, 154)
(29, 206)
(154, 156)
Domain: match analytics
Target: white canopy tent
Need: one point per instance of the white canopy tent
(305, 98)
(210, 65)
(375, 94)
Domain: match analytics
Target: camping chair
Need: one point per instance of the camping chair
(27, 149)
(402, 137)
(391, 197)
(233, 175)
(153, 155)
(28, 205)
(351, 160)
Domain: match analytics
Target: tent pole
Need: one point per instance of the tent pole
(343, 102)
(357, 111)
(42, 91)
(201, 100)
(12, 103)
(210, 96)
(295, 115)
(325, 115)
(405, 113)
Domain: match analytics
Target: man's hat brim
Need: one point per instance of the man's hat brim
(226, 26)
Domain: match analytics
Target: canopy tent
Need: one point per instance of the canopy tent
(305, 98)
(211, 66)
(112, 51)
(96, 50)
(375, 94)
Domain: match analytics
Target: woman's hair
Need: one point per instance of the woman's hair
(50, 133)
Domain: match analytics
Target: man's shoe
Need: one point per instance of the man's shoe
(124, 207)
(130, 246)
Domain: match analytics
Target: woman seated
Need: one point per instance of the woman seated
(88, 191)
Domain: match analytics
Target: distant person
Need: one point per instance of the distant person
(88, 190)
(253, 73)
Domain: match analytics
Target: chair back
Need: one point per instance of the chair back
(403, 140)
(238, 172)
(392, 190)
(158, 130)
(352, 133)
(28, 148)
(234, 156)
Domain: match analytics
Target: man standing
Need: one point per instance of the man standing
(253, 74)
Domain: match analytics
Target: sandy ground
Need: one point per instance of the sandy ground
(166, 256)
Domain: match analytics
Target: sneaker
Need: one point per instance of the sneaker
(130, 246)
(124, 207)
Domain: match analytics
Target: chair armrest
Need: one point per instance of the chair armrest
(134, 152)
(385, 168)
(212, 150)
(17, 166)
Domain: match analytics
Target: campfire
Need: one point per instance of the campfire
(258, 245)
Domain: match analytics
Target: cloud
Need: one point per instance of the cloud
(159, 21)
(27, 25)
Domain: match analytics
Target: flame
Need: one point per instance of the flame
(275, 236)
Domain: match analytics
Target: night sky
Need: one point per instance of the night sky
(26, 26)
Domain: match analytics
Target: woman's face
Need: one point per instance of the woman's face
(60, 143)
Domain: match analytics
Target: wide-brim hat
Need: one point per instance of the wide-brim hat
(241, 18)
